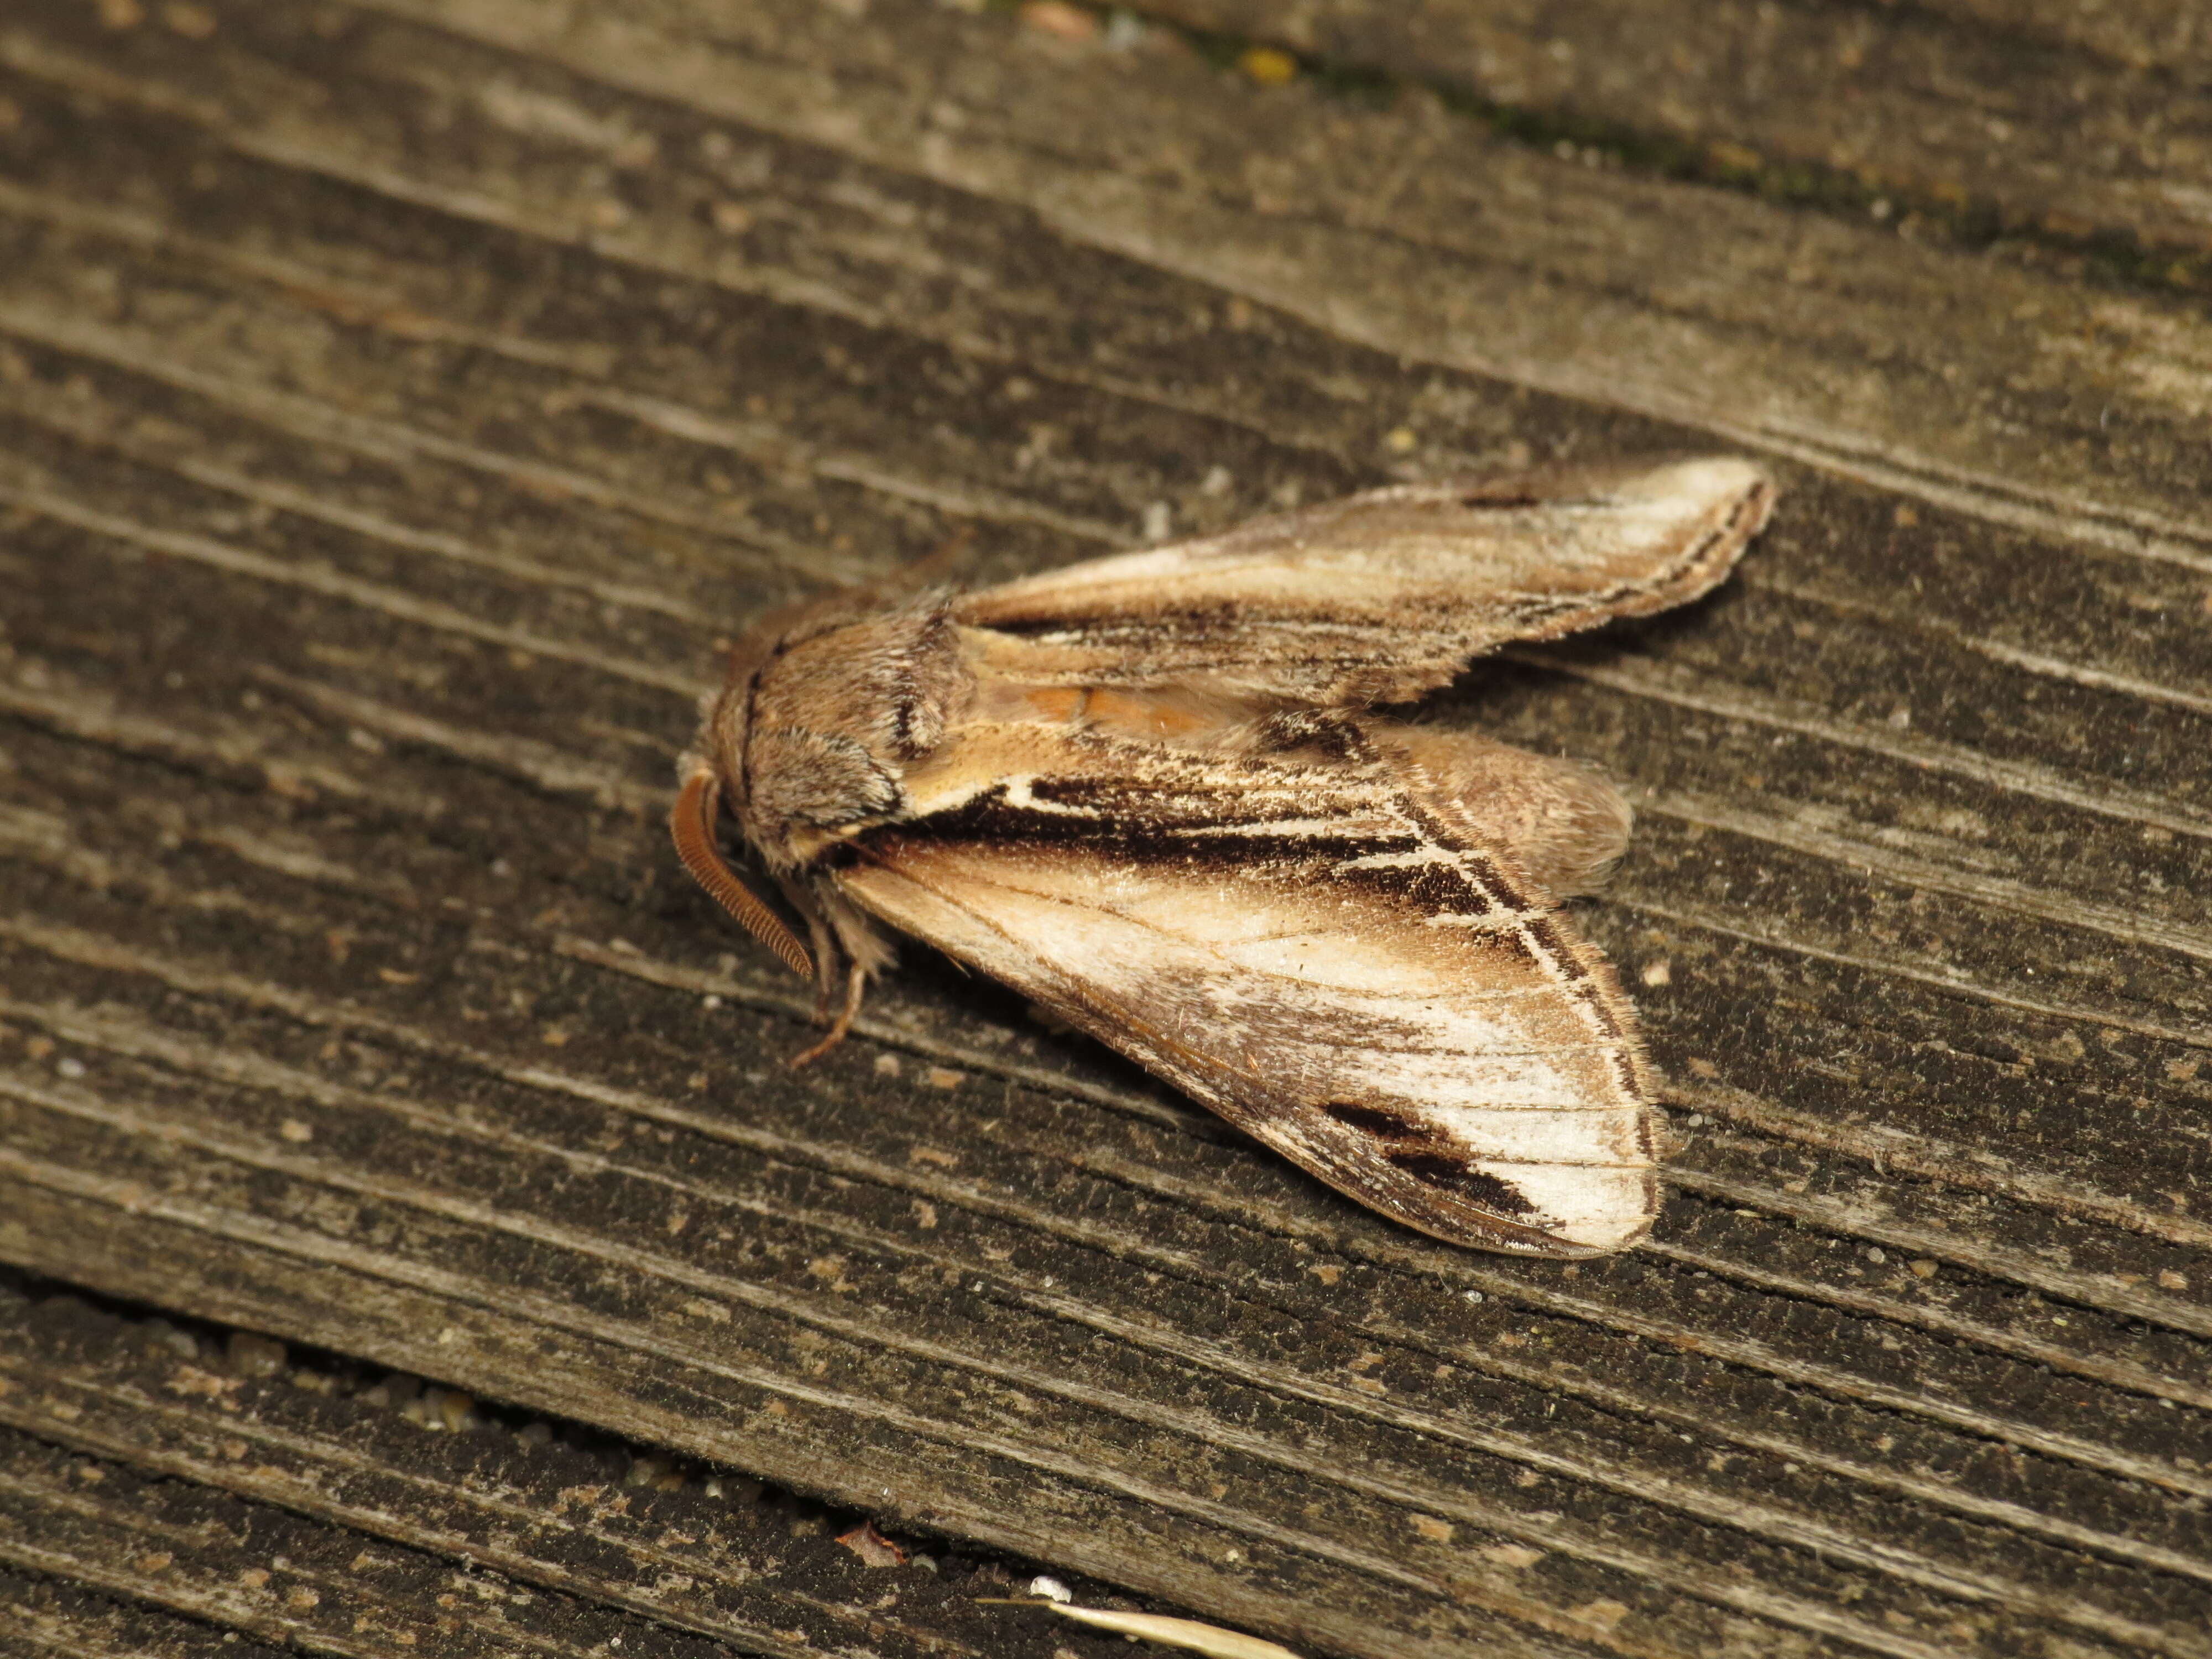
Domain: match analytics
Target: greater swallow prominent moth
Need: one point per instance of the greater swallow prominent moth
(1154, 793)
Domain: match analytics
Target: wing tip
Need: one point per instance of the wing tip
(1605, 1235)
(1735, 490)
(1747, 487)
(1719, 474)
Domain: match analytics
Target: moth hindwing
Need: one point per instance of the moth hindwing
(1152, 793)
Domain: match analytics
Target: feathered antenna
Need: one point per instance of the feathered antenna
(692, 824)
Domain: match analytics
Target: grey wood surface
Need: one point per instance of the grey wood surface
(2075, 122)
(399, 400)
(278, 1502)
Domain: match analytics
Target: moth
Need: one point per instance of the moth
(1154, 792)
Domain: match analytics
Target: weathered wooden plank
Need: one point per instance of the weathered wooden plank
(52, 1618)
(2139, 31)
(287, 1581)
(1994, 123)
(926, 1459)
(513, 1513)
(616, 1391)
(1955, 377)
(421, 445)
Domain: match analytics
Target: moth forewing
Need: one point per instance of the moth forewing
(1445, 1078)
(1383, 596)
(1148, 793)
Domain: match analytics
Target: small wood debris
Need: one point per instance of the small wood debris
(1177, 1633)
(1268, 66)
(1053, 17)
(872, 1546)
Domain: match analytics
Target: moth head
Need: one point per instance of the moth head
(821, 718)
(825, 705)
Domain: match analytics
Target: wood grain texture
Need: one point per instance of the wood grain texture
(2081, 120)
(54, 1619)
(395, 410)
(251, 1569)
(450, 1539)
(2013, 395)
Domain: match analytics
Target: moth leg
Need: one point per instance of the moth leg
(1563, 827)
(856, 979)
(842, 934)
(826, 953)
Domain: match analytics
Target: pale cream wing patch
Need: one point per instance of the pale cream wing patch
(1382, 596)
(1473, 1075)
